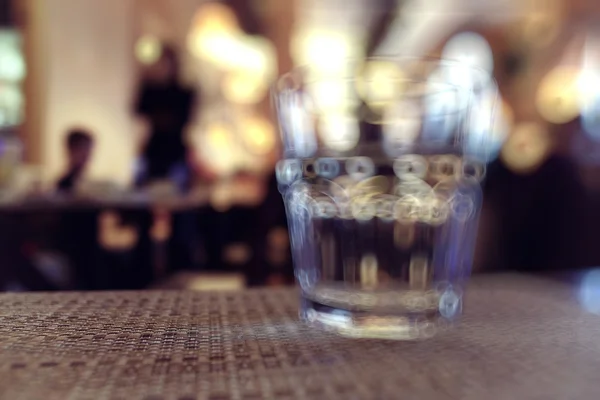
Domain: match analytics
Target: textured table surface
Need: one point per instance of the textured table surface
(521, 338)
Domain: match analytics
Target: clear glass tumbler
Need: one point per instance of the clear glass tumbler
(381, 178)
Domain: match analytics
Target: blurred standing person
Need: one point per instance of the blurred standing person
(165, 105)
(79, 145)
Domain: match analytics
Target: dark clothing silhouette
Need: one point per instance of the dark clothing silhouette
(69, 180)
(167, 108)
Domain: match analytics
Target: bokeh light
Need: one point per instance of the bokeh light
(558, 98)
(237, 253)
(148, 49)
(339, 132)
(256, 55)
(216, 147)
(251, 54)
(331, 95)
(214, 18)
(473, 53)
(469, 48)
(12, 62)
(161, 228)
(379, 83)
(258, 135)
(215, 36)
(112, 235)
(323, 51)
(244, 87)
(526, 148)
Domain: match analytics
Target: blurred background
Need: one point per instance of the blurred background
(138, 145)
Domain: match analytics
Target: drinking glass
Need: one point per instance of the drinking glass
(381, 178)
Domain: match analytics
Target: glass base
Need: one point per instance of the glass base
(384, 324)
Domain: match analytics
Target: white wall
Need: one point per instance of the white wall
(89, 80)
(91, 75)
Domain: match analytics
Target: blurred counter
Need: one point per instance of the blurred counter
(522, 337)
(114, 239)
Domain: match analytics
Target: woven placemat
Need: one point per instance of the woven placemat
(521, 338)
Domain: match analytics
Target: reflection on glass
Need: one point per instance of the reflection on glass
(589, 87)
(485, 139)
(471, 50)
(589, 291)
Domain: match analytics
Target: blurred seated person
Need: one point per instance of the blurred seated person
(79, 145)
(165, 106)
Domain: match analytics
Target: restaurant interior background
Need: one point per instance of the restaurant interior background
(78, 63)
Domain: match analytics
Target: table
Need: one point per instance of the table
(200, 236)
(522, 337)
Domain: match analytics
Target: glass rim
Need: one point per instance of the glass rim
(359, 63)
(418, 85)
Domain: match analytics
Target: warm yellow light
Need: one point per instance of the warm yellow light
(323, 51)
(244, 88)
(161, 229)
(215, 282)
(148, 49)
(214, 17)
(258, 135)
(379, 83)
(214, 29)
(253, 56)
(112, 235)
(372, 186)
(216, 147)
(339, 132)
(526, 148)
(331, 95)
(558, 98)
(215, 36)
(206, 46)
(219, 137)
